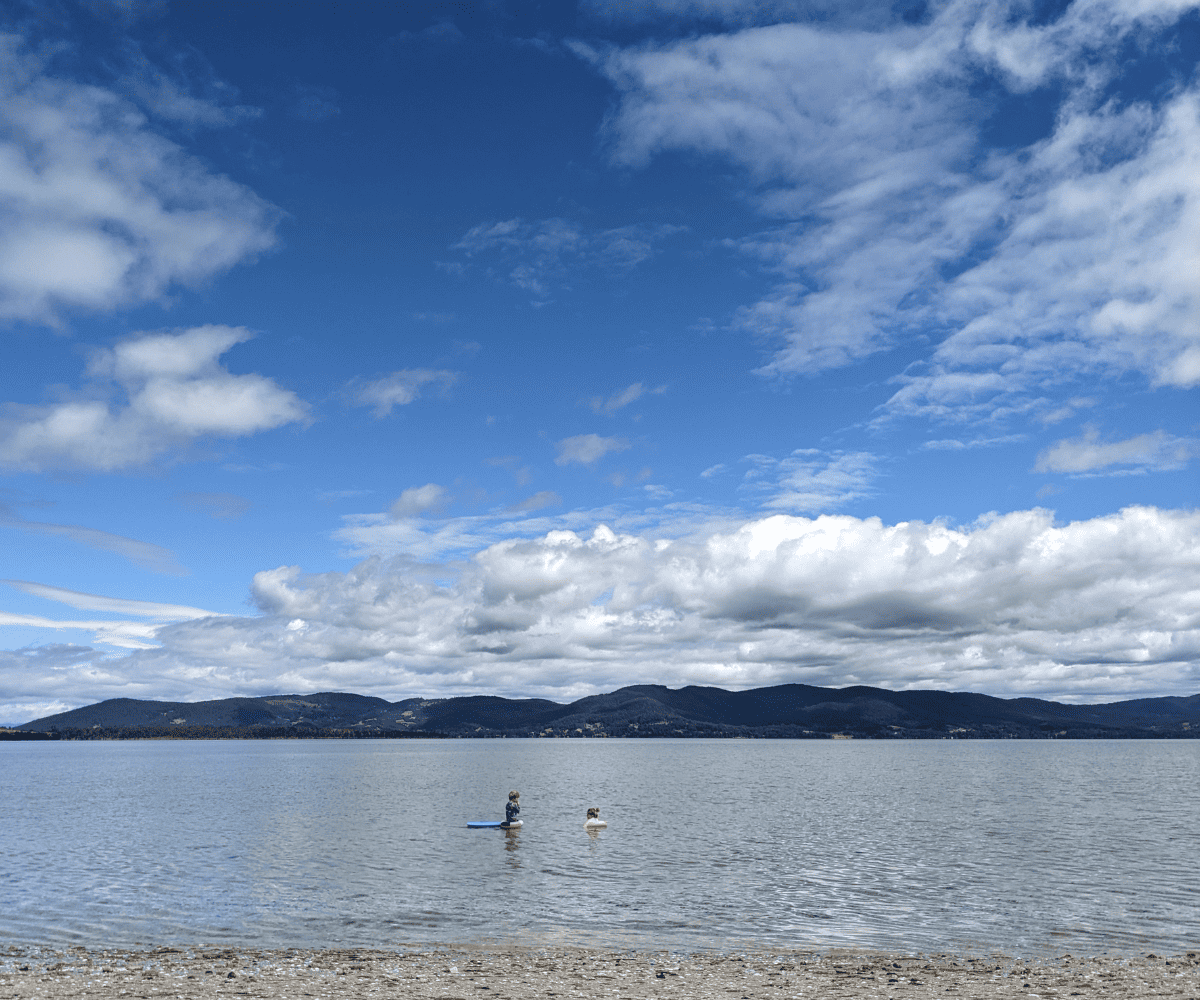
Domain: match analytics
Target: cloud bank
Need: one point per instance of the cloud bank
(1012, 604)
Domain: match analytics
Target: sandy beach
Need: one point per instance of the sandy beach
(560, 972)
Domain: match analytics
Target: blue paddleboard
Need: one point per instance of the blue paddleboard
(484, 824)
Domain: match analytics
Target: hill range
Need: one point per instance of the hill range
(795, 711)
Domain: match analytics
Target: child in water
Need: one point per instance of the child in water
(512, 810)
(594, 822)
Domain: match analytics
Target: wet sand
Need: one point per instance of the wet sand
(566, 972)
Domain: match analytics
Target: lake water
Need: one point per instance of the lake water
(1027, 847)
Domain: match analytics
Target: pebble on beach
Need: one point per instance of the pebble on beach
(553, 972)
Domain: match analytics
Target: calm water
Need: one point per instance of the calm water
(930, 846)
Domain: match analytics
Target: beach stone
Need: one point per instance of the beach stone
(455, 972)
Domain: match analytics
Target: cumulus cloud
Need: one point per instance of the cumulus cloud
(1157, 452)
(169, 390)
(99, 211)
(1065, 255)
(399, 388)
(1012, 604)
(587, 449)
(538, 255)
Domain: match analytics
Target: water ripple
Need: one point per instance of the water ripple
(1023, 847)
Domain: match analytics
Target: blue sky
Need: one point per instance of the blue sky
(537, 350)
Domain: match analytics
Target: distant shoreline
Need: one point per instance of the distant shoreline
(640, 711)
(276, 733)
(444, 971)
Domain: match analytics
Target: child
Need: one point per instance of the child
(512, 810)
(594, 822)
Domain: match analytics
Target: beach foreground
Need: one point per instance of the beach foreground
(464, 972)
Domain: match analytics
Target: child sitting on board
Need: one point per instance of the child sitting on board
(512, 809)
(594, 822)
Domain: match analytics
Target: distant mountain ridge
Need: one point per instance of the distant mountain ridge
(644, 710)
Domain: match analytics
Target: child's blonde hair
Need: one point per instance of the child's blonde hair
(513, 795)
(593, 812)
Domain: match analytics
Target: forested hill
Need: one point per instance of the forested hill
(648, 710)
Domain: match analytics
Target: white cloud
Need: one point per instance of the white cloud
(37, 680)
(126, 635)
(861, 13)
(175, 391)
(1158, 451)
(173, 96)
(808, 480)
(1093, 278)
(1012, 604)
(539, 501)
(429, 540)
(954, 444)
(399, 389)
(1067, 408)
(99, 211)
(115, 605)
(550, 237)
(417, 500)
(1071, 257)
(540, 254)
(123, 634)
(587, 449)
(145, 554)
(618, 400)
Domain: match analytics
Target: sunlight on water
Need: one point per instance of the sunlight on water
(938, 845)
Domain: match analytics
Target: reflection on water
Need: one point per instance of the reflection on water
(512, 843)
(1060, 846)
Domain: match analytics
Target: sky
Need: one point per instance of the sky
(540, 349)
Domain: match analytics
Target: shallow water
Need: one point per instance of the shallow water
(1025, 847)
